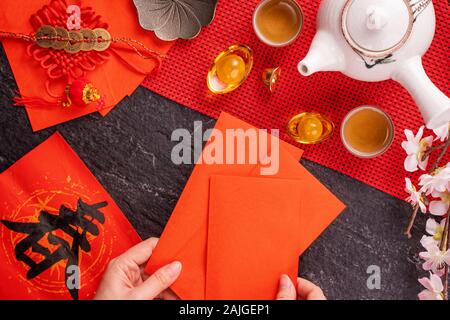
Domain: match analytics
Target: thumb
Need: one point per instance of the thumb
(286, 289)
(162, 279)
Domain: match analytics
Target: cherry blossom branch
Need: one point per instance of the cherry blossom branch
(411, 222)
(446, 282)
(444, 246)
(430, 150)
(445, 242)
(445, 147)
(418, 151)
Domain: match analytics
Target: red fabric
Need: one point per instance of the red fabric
(182, 78)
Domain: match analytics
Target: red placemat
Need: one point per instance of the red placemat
(182, 79)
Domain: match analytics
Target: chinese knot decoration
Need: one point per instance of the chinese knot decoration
(68, 43)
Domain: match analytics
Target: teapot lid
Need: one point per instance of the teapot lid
(377, 28)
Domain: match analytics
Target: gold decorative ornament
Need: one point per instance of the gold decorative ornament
(44, 36)
(61, 33)
(103, 39)
(89, 37)
(74, 44)
(72, 41)
(80, 92)
(90, 94)
(230, 69)
(270, 77)
(309, 128)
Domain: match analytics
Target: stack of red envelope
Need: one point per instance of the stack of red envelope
(236, 232)
(115, 78)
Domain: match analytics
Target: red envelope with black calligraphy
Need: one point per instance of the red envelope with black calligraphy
(58, 226)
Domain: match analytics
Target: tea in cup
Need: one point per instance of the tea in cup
(367, 132)
(278, 22)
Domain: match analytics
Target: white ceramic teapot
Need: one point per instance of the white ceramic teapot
(375, 40)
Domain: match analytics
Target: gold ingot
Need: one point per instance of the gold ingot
(270, 77)
(62, 38)
(89, 39)
(103, 39)
(310, 128)
(236, 53)
(45, 36)
(75, 42)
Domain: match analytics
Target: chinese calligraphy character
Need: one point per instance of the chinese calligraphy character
(74, 224)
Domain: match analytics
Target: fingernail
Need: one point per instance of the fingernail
(174, 268)
(285, 282)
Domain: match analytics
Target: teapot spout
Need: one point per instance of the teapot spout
(324, 55)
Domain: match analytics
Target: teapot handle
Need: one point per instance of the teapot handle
(433, 103)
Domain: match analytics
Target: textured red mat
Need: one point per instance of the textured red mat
(182, 79)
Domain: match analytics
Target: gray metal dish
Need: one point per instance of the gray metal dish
(175, 19)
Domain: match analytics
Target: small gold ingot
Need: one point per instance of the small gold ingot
(103, 39)
(45, 36)
(88, 39)
(270, 77)
(61, 40)
(230, 69)
(310, 128)
(75, 42)
(90, 94)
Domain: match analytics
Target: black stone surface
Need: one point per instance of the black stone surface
(129, 152)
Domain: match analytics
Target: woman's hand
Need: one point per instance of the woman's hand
(304, 290)
(125, 278)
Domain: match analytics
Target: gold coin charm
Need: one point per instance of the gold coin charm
(88, 39)
(61, 40)
(103, 39)
(45, 36)
(75, 42)
(72, 42)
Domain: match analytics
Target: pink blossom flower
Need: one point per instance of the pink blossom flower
(435, 258)
(439, 180)
(415, 197)
(415, 147)
(427, 241)
(435, 229)
(433, 288)
(442, 133)
(440, 207)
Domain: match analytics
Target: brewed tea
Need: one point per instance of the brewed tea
(279, 21)
(367, 130)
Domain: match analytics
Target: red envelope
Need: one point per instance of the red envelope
(253, 232)
(185, 235)
(321, 208)
(55, 215)
(114, 77)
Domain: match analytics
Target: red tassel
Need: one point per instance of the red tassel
(35, 103)
(79, 93)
